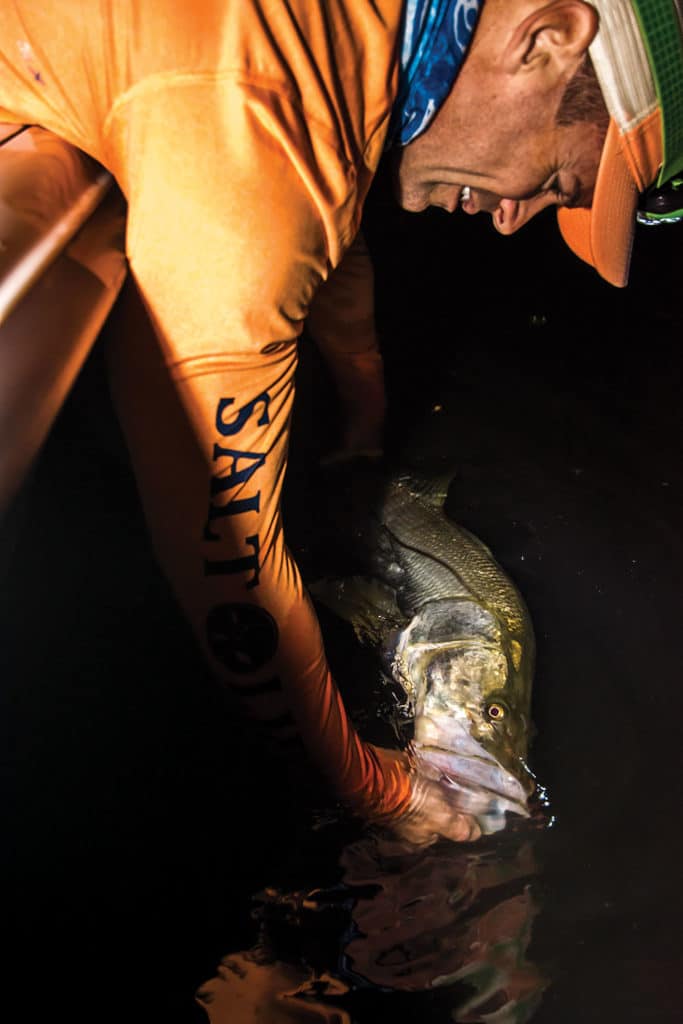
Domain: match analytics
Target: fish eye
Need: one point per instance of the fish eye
(496, 712)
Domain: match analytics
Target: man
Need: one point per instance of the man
(245, 134)
(559, 137)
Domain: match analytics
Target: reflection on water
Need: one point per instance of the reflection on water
(446, 916)
(447, 923)
(255, 986)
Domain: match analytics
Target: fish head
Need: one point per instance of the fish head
(470, 685)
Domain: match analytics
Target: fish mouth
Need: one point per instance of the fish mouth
(477, 782)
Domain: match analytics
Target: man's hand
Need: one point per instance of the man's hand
(431, 813)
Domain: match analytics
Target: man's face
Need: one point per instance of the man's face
(504, 148)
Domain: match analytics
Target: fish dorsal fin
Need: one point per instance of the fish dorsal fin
(368, 605)
(432, 489)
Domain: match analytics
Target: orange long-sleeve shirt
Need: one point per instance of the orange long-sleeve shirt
(244, 135)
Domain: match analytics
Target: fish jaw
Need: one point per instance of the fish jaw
(478, 784)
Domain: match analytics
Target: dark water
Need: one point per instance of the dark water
(147, 835)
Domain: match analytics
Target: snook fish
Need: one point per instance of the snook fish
(455, 635)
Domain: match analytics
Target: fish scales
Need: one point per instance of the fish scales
(425, 579)
(465, 556)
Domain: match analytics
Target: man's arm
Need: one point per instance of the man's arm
(227, 245)
(342, 323)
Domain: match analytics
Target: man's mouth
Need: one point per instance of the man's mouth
(468, 201)
(480, 201)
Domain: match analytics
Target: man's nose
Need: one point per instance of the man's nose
(512, 214)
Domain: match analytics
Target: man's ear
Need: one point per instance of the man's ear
(552, 39)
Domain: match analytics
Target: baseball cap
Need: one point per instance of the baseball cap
(638, 59)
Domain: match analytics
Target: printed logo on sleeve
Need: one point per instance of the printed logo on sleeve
(243, 637)
(242, 466)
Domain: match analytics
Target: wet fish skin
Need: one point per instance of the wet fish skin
(456, 635)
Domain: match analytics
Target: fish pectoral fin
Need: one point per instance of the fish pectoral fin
(368, 605)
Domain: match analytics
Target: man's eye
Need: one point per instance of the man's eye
(556, 187)
(562, 197)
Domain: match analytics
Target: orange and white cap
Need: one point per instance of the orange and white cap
(638, 59)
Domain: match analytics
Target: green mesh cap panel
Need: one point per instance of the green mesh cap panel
(662, 34)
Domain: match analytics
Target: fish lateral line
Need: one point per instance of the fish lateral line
(408, 546)
(512, 624)
(514, 616)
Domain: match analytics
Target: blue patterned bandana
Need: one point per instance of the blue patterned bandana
(436, 34)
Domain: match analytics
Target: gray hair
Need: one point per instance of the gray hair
(583, 99)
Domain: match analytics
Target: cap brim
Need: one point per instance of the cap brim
(603, 234)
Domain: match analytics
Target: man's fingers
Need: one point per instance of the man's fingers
(418, 831)
(431, 816)
(462, 829)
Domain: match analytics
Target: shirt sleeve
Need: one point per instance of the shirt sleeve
(236, 215)
(341, 321)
